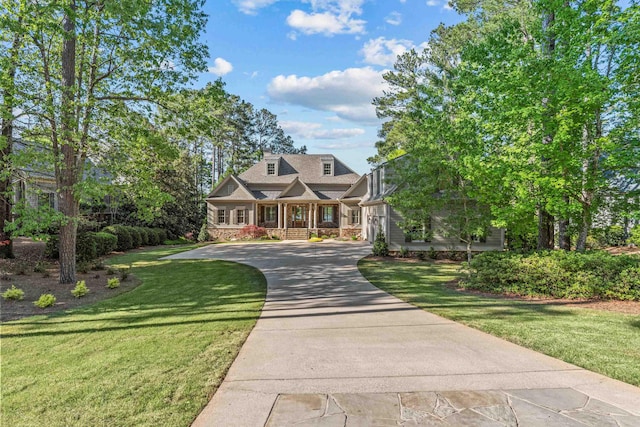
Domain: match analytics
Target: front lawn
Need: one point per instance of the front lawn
(149, 357)
(604, 342)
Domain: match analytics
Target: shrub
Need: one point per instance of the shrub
(111, 271)
(13, 293)
(433, 254)
(422, 256)
(315, 239)
(354, 237)
(144, 235)
(136, 238)
(40, 267)
(124, 273)
(252, 232)
(45, 301)
(614, 235)
(105, 243)
(86, 248)
(203, 235)
(113, 283)
(161, 235)
(558, 274)
(380, 246)
(124, 239)
(80, 290)
(634, 236)
(83, 267)
(404, 252)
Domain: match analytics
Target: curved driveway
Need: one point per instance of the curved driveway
(326, 331)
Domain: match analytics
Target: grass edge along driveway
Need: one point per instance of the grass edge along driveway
(600, 341)
(152, 356)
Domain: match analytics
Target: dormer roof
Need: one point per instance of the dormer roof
(307, 167)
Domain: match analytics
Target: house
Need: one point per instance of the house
(378, 215)
(292, 196)
(35, 184)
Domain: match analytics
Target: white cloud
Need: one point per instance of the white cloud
(328, 17)
(324, 23)
(382, 51)
(346, 93)
(345, 145)
(310, 130)
(221, 67)
(250, 7)
(433, 2)
(447, 6)
(394, 18)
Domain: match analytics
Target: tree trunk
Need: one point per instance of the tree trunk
(6, 195)
(564, 239)
(67, 178)
(469, 243)
(581, 244)
(545, 230)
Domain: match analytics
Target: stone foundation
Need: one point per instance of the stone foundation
(280, 233)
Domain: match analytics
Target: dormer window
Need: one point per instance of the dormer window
(271, 168)
(327, 169)
(327, 166)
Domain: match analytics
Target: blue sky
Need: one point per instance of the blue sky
(317, 64)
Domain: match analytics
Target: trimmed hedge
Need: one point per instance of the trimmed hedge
(89, 246)
(558, 274)
(133, 237)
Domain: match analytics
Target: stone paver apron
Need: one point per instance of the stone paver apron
(330, 349)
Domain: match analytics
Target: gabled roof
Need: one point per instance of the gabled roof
(306, 167)
(240, 192)
(298, 190)
(357, 191)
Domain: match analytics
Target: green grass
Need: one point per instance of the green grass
(149, 357)
(600, 341)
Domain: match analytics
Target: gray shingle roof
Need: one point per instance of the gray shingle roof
(307, 167)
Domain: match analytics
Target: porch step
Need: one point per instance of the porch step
(297, 234)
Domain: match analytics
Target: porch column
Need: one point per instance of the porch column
(279, 215)
(285, 216)
(309, 215)
(315, 215)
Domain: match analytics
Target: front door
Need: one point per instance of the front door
(298, 216)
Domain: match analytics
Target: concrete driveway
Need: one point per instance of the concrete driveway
(331, 349)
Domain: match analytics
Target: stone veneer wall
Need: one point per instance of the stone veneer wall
(234, 233)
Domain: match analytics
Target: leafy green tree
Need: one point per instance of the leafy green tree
(87, 59)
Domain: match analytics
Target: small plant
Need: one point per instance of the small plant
(314, 235)
(433, 254)
(315, 240)
(21, 268)
(124, 273)
(111, 271)
(98, 265)
(83, 267)
(13, 293)
(40, 267)
(354, 237)
(324, 236)
(113, 283)
(45, 300)
(422, 256)
(380, 247)
(80, 290)
(404, 252)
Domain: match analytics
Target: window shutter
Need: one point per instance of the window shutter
(350, 216)
(227, 214)
(214, 213)
(232, 214)
(246, 216)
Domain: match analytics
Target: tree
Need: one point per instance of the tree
(89, 59)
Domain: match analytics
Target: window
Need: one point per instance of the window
(415, 231)
(222, 216)
(355, 216)
(271, 168)
(47, 199)
(327, 214)
(240, 216)
(270, 213)
(326, 169)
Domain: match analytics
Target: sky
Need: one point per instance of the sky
(317, 64)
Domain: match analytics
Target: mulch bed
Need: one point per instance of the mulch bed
(19, 272)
